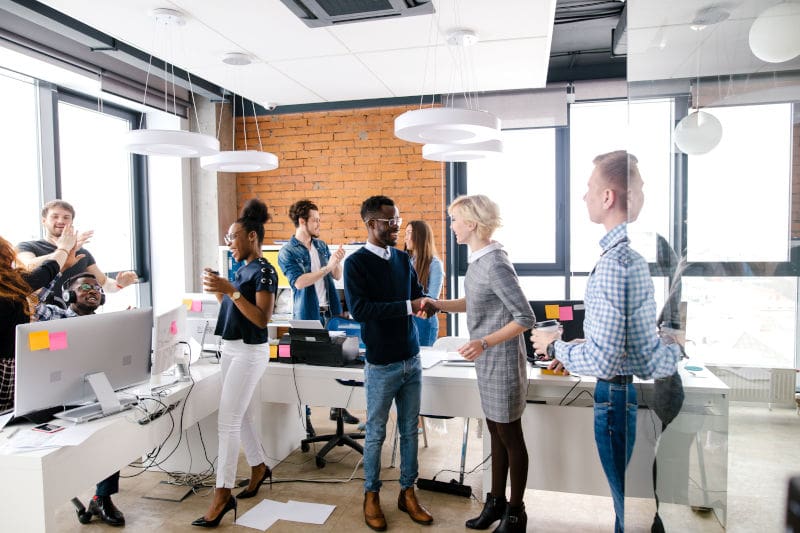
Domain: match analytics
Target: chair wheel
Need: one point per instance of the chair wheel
(304, 446)
(321, 462)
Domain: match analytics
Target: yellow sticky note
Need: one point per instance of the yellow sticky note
(551, 311)
(39, 340)
(188, 304)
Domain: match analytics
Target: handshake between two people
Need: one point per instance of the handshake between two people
(424, 307)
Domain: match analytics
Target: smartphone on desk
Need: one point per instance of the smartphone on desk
(48, 428)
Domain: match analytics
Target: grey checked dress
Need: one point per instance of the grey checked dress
(494, 298)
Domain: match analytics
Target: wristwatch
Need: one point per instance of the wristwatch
(484, 344)
(236, 295)
(551, 349)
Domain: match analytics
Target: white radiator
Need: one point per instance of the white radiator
(774, 386)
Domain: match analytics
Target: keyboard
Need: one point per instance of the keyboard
(92, 411)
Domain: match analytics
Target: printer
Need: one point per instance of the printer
(318, 347)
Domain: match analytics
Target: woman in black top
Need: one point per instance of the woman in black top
(16, 286)
(246, 308)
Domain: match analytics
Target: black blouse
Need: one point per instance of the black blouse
(12, 313)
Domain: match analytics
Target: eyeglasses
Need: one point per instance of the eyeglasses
(230, 237)
(89, 287)
(396, 221)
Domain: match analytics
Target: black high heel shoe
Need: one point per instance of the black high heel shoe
(251, 493)
(231, 504)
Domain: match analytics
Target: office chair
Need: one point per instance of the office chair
(340, 438)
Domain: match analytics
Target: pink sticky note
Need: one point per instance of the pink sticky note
(284, 350)
(565, 313)
(173, 328)
(58, 341)
(197, 306)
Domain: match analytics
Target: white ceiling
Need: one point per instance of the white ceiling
(294, 64)
(662, 45)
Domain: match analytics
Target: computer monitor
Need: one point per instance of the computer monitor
(569, 312)
(169, 332)
(202, 310)
(55, 357)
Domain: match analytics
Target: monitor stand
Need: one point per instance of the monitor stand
(106, 397)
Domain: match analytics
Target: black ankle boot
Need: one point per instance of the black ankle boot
(493, 510)
(514, 520)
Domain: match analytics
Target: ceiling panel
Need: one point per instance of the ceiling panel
(336, 77)
(296, 64)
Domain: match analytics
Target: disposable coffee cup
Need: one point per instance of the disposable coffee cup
(203, 277)
(547, 325)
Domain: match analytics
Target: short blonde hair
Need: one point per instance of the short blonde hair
(479, 209)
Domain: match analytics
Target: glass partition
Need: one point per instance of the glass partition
(732, 223)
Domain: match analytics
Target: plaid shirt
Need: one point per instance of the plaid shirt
(620, 324)
(49, 311)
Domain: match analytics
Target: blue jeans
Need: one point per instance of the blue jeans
(401, 382)
(427, 330)
(615, 408)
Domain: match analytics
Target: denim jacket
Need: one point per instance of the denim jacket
(295, 261)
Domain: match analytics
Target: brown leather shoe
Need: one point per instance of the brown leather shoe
(407, 502)
(373, 515)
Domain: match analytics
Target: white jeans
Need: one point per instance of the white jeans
(242, 367)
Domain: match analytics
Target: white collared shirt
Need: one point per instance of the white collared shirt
(383, 253)
(492, 246)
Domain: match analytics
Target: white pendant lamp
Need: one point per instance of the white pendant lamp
(240, 161)
(446, 125)
(450, 133)
(462, 152)
(177, 143)
(775, 34)
(698, 133)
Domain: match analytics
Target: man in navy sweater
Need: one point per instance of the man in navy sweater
(382, 292)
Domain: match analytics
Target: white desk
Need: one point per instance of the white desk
(36, 482)
(42, 480)
(562, 434)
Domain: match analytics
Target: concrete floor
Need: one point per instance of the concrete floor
(762, 455)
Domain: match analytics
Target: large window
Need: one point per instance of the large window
(748, 198)
(643, 128)
(523, 183)
(18, 137)
(64, 145)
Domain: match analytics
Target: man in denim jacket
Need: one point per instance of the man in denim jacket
(311, 269)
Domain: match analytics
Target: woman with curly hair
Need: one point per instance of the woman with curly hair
(17, 285)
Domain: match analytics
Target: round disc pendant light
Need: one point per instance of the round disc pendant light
(462, 152)
(446, 125)
(176, 143)
(240, 161)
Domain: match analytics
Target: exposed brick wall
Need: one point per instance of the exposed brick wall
(337, 159)
(796, 182)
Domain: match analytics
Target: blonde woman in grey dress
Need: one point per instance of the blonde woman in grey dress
(498, 314)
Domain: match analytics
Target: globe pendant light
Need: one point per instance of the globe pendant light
(698, 133)
(176, 143)
(775, 34)
(240, 160)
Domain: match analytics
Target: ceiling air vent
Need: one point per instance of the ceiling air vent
(318, 13)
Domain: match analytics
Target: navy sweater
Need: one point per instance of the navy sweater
(376, 291)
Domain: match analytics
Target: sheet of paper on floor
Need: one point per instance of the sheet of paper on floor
(311, 513)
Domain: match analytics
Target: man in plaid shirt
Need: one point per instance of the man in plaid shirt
(620, 324)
